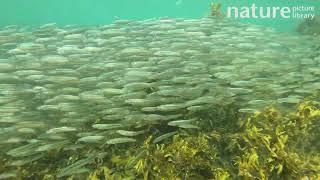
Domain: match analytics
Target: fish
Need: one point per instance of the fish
(163, 136)
(62, 129)
(121, 140)
(181, 122)
(48, 147)
(91, 139)
(107, 126)
(129, 133)
(76, 167)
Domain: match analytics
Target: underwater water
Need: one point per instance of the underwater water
(158, 90)
(86, 12)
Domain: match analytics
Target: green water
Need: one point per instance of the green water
(91, 12)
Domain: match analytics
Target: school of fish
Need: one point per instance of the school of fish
(66, 87)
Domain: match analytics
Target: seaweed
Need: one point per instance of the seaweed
(270, 144)
(216, 10)
(310, 26)
(266, 145)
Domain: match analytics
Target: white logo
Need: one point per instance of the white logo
(271, 12)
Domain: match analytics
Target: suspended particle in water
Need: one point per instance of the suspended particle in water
(179, 2)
